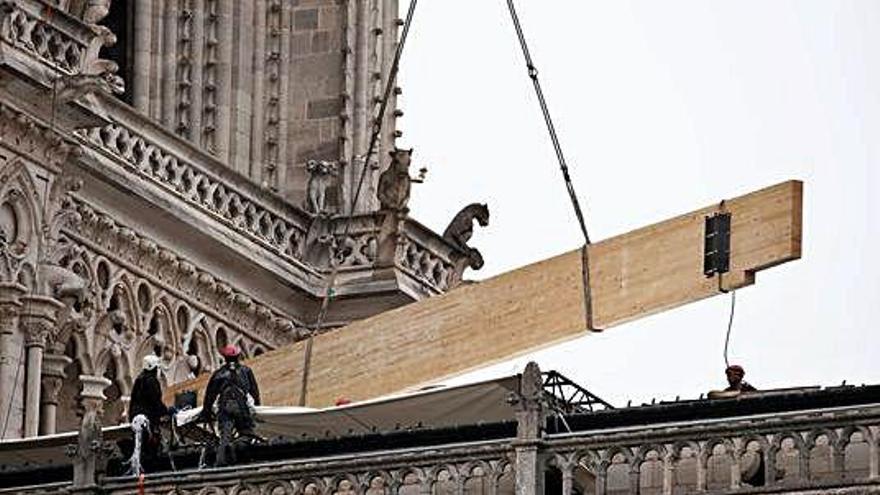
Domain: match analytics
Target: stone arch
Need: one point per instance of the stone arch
(618, 464)
(103, 273)
(856, 455)
(343, 483)
(244, 488)
(650, 460)
(821, 447)
(20, 211)
(647, 448)
(222, 337)
(505, 477)
(588, 459)
(477, 477)
(789, 458)
(160, 325)
(277, 487)
(584, 468)
(121, 299)
(443, 479)
(312, 486)
(369, 485)
(409, 481)
(685, 458)
(211, 490)
(754, 455)
(717, 456)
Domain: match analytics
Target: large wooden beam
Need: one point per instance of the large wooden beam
(642, 272)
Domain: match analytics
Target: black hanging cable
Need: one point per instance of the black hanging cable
(533, 75)
(729, 325)
(374, 138)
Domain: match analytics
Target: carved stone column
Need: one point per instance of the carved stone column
(52, 380)
(10, 306)
(530, 418)
(37, 320)
(89, 443)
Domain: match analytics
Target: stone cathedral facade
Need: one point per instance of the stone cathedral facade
(176, 175)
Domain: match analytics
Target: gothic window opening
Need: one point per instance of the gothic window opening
(120, 20)
(651, 474)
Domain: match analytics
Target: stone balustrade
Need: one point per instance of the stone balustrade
(45, 33)
(281, 232)
(200, 182)
(827, 450)
(779, 452)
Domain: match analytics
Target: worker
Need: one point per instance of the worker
(231, 396)
(146, 401)
(735, 374)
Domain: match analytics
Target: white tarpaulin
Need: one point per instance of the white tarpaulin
(483, 402)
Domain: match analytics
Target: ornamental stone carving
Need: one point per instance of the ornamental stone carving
(322, 179)
(461, 228)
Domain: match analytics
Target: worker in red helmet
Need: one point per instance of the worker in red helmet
(735, 374)
(231, 396)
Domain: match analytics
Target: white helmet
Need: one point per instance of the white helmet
(151, 362)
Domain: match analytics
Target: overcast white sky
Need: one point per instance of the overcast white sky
(664, 107)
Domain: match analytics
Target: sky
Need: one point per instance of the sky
(663, 108)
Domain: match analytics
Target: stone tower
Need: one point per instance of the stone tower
(155, 158)
(264, 85)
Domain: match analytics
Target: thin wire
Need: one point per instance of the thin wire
(729, 325)
(557, 147)
(374, 138)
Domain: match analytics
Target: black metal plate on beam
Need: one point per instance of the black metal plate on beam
(716, 245)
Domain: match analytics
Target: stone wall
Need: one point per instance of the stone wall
(266, 85)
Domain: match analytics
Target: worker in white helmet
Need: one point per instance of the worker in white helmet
(146, 401)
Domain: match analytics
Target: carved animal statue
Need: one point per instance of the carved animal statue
(394, 183)
(461, 228)
(62, 283)
(322, 175)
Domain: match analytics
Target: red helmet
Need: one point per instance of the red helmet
(230, 350)
(736, 369)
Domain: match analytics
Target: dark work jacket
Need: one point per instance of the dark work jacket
(146, 398)
(743, 386)
(231, 379)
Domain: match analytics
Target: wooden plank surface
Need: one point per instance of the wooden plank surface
(632, 275)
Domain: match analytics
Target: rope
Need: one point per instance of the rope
(729, 325)
(374, 138)
(533, 75)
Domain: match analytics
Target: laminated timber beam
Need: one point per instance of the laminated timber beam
(633, 275)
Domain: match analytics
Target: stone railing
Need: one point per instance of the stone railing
(430, 259)
(46, 33)
(476, 468)
(203, 183)
(780, 453)
(196, 185)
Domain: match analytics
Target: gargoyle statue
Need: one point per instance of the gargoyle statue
(63, 283)
(322, 175)
(395, 181)
(96, 74)
(461, 228)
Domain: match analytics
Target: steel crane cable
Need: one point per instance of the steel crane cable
(548, 120)
(563, 166)
(374, 138)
